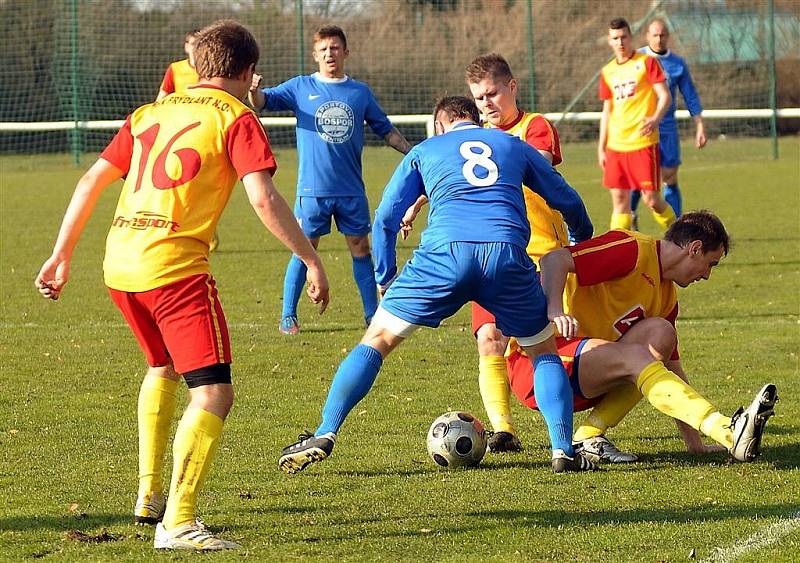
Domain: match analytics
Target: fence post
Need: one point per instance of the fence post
(301, 60)
(75, 134)
(531, 64)
(773, 94)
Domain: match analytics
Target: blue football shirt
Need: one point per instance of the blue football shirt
(473, 179)
(330, 130)
(678, 78)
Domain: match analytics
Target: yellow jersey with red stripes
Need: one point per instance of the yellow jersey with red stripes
(179, 76)
(182, 156)
(617, 282)
(629, 87)
(548, 230)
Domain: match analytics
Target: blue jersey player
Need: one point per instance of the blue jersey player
(678, 78)
(331, 109)
(472, 250)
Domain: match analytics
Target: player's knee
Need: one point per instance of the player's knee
(669, 175)
(211, 388)
(358, 245)
(167, 372)
(491, 341)
(662, 338)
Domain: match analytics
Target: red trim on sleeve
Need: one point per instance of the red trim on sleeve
(248, 146)
(607, 257)
(603, 91)
(168, 83)
(120, 150)
(655, 73)
(542, 136)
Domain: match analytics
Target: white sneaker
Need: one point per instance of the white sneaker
(748, 424)
(600, 448)
(194, 536)
(149, 509)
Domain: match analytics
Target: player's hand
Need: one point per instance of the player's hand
(700, 138)
(601, 158)
(318, 289)
(649, 125)
(255, 84)
(52, 277)
(567, 325)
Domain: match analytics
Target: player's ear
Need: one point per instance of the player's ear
(696, 247)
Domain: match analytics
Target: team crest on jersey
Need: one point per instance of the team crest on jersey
(335, 122)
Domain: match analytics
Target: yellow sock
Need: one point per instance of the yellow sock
(621, 221)
(195, 444)
(608, 412)
(157, 399)
(665, 218)
(673, 396)
(718, 427)
(493, 383)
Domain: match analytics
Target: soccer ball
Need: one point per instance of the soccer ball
(457, 439)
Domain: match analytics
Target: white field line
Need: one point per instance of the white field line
(788, 320)
(757, 540)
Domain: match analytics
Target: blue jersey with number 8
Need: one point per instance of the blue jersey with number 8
(473, 178)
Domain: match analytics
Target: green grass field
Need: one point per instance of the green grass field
(71, 372)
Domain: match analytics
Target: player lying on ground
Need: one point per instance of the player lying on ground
(618, 336)
(181, 158)
(472, 250)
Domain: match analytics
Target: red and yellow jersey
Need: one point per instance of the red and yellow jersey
(182, 156)
(179, 76)
(617, 282)
(629, 87)
(548, 230)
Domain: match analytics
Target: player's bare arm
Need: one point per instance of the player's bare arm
(407, 222)
(277, 217)
(555, 266)
(691, 437)
(548, 156)
(603, 138)
(254, 95)
(650, 122)
(54, 273)
(397, 141)
(700, 132)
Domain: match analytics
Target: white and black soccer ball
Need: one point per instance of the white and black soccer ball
(457, 439)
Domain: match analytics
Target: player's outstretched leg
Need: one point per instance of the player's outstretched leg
(293, 282)
(748, 424)
(352, 382)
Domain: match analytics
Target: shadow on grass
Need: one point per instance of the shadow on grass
(65, 523)
(778, 457)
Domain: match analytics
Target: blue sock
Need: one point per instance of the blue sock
(293, 283)
(364, 274)
(352, 382)
(673, 196)
(554, 397)
(636, 195)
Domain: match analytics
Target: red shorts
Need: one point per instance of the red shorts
(520, 374)
(181, 323)
(480, 317)
(633, 170)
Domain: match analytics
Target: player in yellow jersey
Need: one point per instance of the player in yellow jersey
(181, 74)
(618, 339)
(181, 157)
(635, 98)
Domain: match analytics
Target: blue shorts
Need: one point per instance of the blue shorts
(499, 276)
(669, 144)
(350, 213)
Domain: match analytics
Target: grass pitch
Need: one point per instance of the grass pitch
(71, 372)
